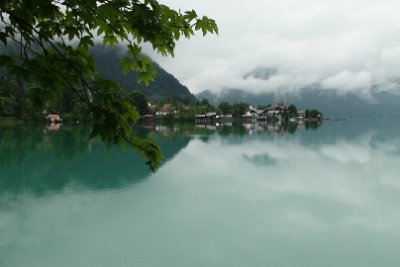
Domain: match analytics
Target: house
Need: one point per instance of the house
(280, 107)
(274, 114)
(166, 109)
(252, 114)
(54, 118)
(301, 114)
(225, 118)
(53, 127)
(201, 119)
(262, 115)
(208, 118)
(148, 118)
(151, 107)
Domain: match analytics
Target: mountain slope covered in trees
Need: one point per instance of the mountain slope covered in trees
(164, 85)
(16, 103)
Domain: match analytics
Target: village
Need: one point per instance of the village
(270, 114)
(204, 113)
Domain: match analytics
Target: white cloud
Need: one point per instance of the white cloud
(347, 80)
(350, 44)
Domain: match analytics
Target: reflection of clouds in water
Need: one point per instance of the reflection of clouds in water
(222, 203)
(357, 180)
(346, 153)
(261, 159)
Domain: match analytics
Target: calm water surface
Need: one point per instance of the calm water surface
(231, 196)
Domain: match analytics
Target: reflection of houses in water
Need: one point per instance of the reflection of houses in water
(207, 126)
(279, 127)
(224, 123)
(148, 126)
(213, 118)
(253, 127)
(301, 124)
(272, 127)
(251, 115)
(54, 127)
(259, 127)
(164, 130)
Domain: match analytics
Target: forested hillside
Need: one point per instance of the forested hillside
(15, 102)
(165, 85)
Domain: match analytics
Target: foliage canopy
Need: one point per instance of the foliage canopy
(49, 50)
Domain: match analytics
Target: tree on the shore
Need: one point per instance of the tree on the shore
(238, 109)
(225, 108)
(48, 50)
(140, 102)
(292, 110)
(204, 106)
(312, 114)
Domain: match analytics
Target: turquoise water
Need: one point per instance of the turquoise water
(229, 196)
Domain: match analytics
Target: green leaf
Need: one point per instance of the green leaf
(3, 37)
(134, 50)
(5, 60)
(190, 15)
(86, 41)
(127, 65)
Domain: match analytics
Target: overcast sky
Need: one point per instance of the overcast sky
(342, 44)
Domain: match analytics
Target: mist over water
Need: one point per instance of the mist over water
(225, 196)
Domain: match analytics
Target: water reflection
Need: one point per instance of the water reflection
(260, 127)
(226, 196)
(37, 160)
(297, 200)
(29, 154)
(353, 173)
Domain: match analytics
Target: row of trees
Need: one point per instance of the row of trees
(312, 114)
(236, 109)
(189, 107)
(15, 103)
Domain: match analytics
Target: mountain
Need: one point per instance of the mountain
(165, 84)
(333, 105)
(261, 73)
(377, 101)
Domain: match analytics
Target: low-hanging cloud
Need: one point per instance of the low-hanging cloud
(349, 80)
(336, 43)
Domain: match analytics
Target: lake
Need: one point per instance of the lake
(224, 196)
